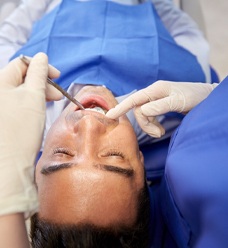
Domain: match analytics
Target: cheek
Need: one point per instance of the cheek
(126, 136)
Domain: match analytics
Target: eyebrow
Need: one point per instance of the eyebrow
(47, 170)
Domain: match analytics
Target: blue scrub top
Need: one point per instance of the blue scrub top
(195, 186)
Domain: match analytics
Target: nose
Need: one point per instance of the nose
(90, 133)
(89, 130)
(91, 126)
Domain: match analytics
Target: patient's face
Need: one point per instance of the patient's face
(91, 169)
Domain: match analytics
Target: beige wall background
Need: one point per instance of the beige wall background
(215, 14)
(212, 16)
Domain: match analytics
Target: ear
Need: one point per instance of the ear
(141, 157)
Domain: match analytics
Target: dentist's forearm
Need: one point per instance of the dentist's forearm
(13, 231)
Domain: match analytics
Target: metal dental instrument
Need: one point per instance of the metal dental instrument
(26, 60)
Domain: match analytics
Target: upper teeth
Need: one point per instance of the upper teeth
(97, 109)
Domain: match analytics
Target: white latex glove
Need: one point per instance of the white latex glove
(22, 117)
(159, 98)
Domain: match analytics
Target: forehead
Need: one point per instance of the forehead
(76, 195)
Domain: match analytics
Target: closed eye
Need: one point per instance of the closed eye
(63, 151)
(114, 154)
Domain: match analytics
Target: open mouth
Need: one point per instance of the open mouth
(96, 105)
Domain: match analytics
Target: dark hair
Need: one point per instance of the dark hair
(46, 235)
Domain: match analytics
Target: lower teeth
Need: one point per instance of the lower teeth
(97, 109)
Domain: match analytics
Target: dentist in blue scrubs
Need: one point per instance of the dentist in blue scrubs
(193, 191)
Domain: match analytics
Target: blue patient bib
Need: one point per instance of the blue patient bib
(196, 173)
(124, 47)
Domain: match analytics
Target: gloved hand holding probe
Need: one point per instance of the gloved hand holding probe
(160, 98)
(23, 91)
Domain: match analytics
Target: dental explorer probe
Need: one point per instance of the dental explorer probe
(26, 60)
